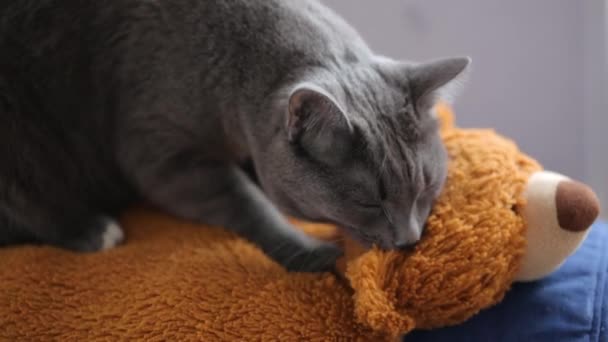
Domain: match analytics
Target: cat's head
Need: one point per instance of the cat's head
(360, 148)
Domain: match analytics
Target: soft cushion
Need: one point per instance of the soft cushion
(569, 305)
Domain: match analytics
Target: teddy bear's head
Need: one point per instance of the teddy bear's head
(500, 219)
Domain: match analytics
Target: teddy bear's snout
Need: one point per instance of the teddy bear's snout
(576, 204)
(558, 212)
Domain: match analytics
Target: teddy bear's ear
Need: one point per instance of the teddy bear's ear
(445, 116)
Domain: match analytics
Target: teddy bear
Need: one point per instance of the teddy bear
(500, 219)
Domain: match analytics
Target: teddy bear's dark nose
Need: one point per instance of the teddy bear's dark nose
(577, 205)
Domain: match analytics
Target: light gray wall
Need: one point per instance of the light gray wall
(596, 98)
(538, 68)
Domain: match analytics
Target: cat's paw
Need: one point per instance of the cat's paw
(100, 234)
(320, 258)
(112, 235)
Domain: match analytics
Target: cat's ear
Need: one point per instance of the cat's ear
(439, 79)
(318, 124)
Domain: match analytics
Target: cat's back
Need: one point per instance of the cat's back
(58, 42)
(292, 22)
(272, 36)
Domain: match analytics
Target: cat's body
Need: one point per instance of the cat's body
(103, 103)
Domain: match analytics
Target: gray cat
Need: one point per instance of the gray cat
(104, 103)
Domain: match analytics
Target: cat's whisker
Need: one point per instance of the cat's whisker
(278, 247)
(304, 261)
(288, 261)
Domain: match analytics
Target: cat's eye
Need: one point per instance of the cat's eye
(406, 108)
(382, 190)
(369, 206)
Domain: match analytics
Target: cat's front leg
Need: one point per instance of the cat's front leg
(223, 195)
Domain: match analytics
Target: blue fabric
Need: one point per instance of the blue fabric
(569, 305)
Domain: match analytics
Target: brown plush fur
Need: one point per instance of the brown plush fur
(178, 281)
(472, 248)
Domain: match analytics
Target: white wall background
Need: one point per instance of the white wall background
(539, 69)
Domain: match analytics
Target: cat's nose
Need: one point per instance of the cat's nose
(406, 239)
(405, 246)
